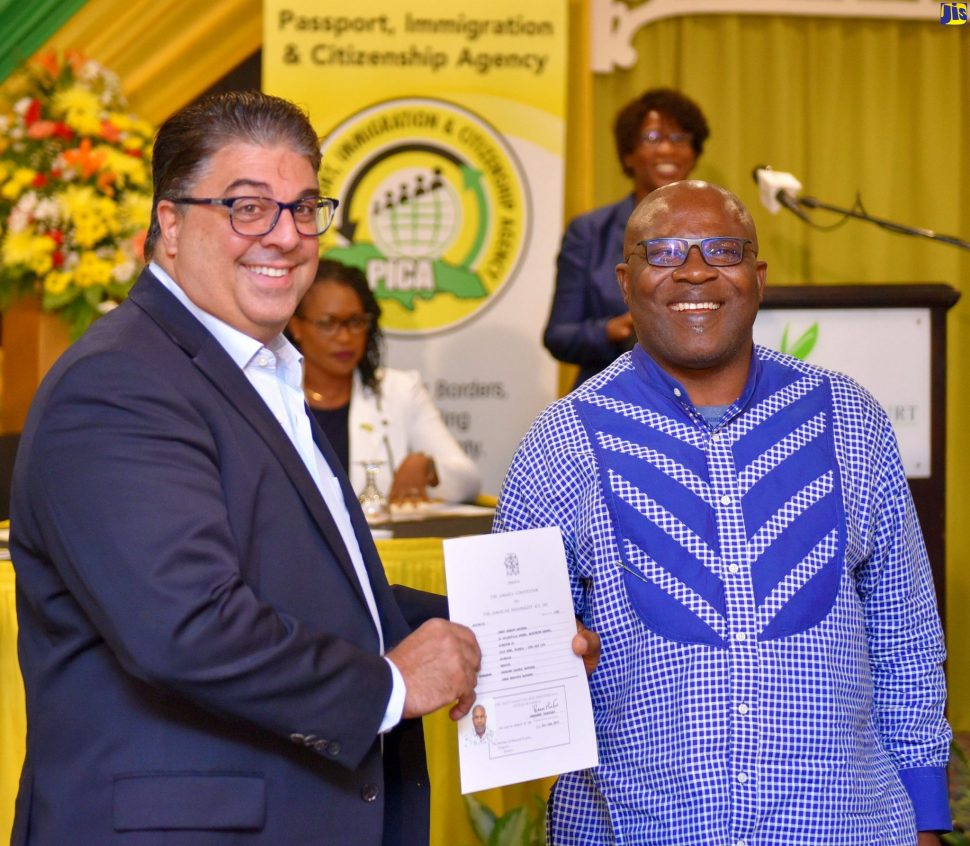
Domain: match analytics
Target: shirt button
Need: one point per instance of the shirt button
(741, 843)
(742, 709)
(733, 568)
(369, 792)
(726, 499)
(263, 361)
(716, 436)
(743, 778)
(740, 636)
(677, 392)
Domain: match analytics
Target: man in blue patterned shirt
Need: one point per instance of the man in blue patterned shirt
(741, 534)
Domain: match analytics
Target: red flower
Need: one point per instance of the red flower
(110, 132)
(33, 112)
(57, 259)
(64, 131)
(39, 181)
(57, 236)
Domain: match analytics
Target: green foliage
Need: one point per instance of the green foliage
(959, 772)
(517, 827)
(804, 345)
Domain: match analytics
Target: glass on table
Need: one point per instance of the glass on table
(372, 501)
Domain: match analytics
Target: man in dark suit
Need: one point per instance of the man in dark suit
(211, 652)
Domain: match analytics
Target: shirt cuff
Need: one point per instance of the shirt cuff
(927, 789)
(395, 705)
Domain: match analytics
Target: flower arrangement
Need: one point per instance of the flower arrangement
(75, 188)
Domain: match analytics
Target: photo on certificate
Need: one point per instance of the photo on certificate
(532, 715)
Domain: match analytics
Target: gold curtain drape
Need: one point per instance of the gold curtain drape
(165, 53)
(878, 106)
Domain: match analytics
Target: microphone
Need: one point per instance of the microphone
(777, 189)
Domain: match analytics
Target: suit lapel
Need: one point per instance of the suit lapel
(226, 377)
(392, 622)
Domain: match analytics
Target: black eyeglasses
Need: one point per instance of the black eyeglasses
(654, 138)
(258, 216)
(720, 251)
(330, 324)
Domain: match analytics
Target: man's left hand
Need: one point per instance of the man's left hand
(587, 644)
(928, 838)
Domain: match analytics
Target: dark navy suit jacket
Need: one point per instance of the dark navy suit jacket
(199, 663)
(587, 294)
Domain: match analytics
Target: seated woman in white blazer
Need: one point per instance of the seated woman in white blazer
(369, 412)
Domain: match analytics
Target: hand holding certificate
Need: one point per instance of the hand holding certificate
(532, 715)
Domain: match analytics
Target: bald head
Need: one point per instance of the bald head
(687, 195)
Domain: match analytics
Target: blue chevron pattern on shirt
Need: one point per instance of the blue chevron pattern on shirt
(674, 485)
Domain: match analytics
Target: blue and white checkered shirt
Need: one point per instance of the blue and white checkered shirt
(771, 669)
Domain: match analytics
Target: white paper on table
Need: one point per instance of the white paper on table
(512, 590)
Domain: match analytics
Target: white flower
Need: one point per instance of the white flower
(124, 271)
(22, 213)
(48, 209)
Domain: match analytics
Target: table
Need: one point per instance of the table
(416, 562)
(451, 522)
(13, 723)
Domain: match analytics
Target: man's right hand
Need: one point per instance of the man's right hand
(439, 663)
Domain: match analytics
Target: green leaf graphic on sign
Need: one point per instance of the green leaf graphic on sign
(356, 255)
(448, 279)
(802, 347)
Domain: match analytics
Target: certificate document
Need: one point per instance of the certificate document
(532, 715)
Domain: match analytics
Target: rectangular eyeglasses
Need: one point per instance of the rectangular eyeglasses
(258, 216)
(720, 251)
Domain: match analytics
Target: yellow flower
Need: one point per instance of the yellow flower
(79, 108)
(29, 250)
(93, 216)
(20, 179)
(91, 270)
(56, 282)
(135, 211)
(125, 168)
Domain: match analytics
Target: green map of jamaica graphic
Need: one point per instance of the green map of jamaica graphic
(433, 208)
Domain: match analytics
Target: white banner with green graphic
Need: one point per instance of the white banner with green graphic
(886, 350)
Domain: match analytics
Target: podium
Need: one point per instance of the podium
(892, 340)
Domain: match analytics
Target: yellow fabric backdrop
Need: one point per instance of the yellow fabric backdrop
(166, 53)
(882, 106)
(12, 723)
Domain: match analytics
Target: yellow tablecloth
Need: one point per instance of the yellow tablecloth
(417, 563)
(13, 724)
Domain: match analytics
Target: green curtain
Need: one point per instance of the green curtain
(26, 24)
(878, 107)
